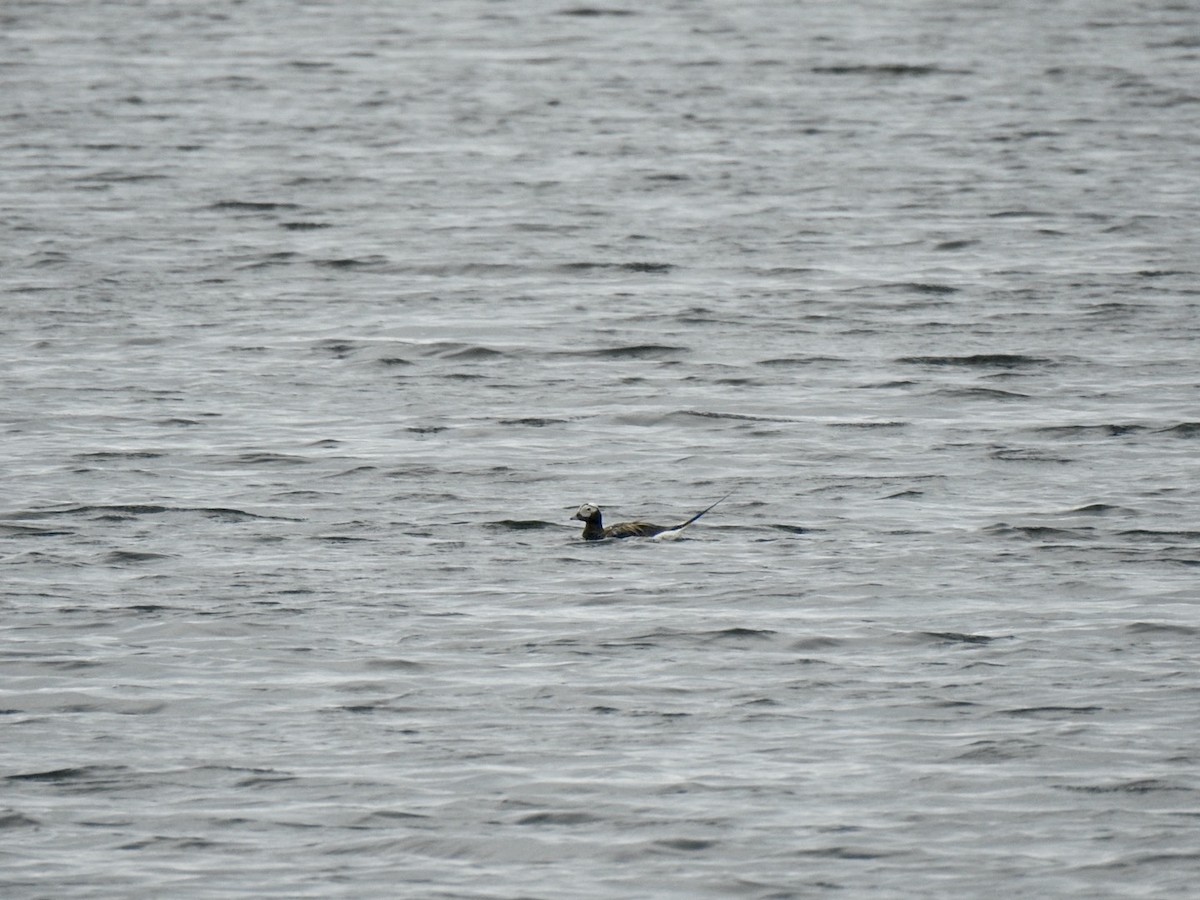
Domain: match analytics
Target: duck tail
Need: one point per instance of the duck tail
(702, 512)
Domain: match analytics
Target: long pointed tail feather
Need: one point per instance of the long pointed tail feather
(699, 514)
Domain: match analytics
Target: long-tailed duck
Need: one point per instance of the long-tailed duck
(594, 530)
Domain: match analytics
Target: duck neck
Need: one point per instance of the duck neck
(593, 530)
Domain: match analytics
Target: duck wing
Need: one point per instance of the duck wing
(634, 529)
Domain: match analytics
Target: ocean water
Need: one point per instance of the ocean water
(319, 320)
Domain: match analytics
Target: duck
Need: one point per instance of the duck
(594, 530)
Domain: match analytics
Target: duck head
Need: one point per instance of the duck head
(587, 513)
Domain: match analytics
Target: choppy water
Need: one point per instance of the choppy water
(320, 319)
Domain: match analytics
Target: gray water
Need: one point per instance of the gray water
(320, 320)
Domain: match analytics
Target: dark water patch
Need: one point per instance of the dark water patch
(522, 524)
(19, 531)
(261, 457)
(98, 777)
(981, 393)
(645, 641)
(1101, 509)
(235, 515)
(558, 818)
(591, 12)
(921, 287)
(737, 417)
(1040, 532)
(395, 664)
(760, 701)
(533, 422)
(790, 362)
(654, 268)
(1136, 786)
(1051, 712)
(956, 245)
(338, 348)
(790, 529)
(393, 361)
(1157, 536)
(388, 816)
(685, 845)
(848, 853)
(110, 146)
(123, 511)
(304, 226)
(70, 665)
(471, 353)
(161, 843)
(867, 425)
(313, 64)
(119, 454)
(1182, 430)
(885, 70)
(978, 360)
(1023, 454)
(956, 637)
(1085, 431)
(736, 634)
(999, 751)
(249, 206)
(147, 608)
(121, 557)
(351, 262)
(265, 779)
(786, 272)
(283, 257)
(816, 642)
(1162, 628)
(11, 821)
(631, 351)
(1021, 213)
(905, 495)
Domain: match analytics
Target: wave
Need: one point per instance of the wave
(978, 360)
(1103, 430)
(1040, 532)
(1101, 509)
(1162, 628)
(654, 268)
(956, 637)
(118, 557)
(123, 510)
(533, 422)
(523, 524)
(980, 393)
(888, 70)
(249, 206)
(1022, 454)
(1182, 430)
(630, 351)
(801, 361)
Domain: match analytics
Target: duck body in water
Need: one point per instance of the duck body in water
(594, 530)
